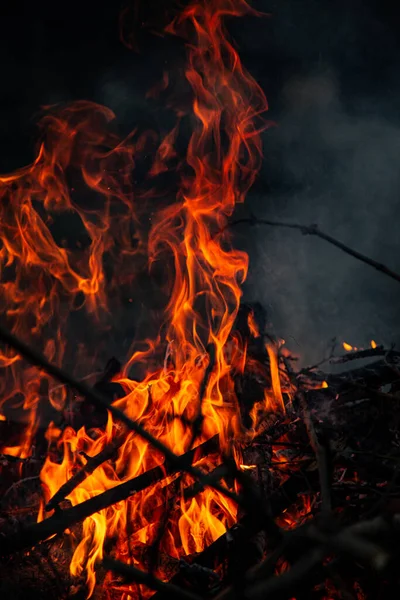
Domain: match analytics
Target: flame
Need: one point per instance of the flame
(373, 344)
(275, 376)
(296, 514)
(54, 290)
(347, 347)
(254, 330)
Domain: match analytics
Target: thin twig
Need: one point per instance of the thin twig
(321, 453)
(350, 541)
(314, 230)
(92, 463)
(17, 483)
(358, 354)
(131, 573)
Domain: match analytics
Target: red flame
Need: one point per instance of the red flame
(44, 281)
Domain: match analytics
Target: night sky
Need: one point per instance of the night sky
(330, 70)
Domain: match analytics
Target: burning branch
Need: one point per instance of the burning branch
(266, 502)
(63, 519)
(91, 465)
(181, 463)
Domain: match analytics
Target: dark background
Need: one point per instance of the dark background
(330, 69)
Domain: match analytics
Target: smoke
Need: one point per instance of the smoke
(333, 160)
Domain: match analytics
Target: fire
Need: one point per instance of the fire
(252, 323)
(276, 381)
(350, 348)
(297, 514)
(52, 290)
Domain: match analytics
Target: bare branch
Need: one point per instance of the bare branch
(314, 230)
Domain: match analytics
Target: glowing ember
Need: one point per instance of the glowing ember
(252, 323)
(46, 280)
(297, 514)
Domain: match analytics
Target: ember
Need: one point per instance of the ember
(200, 463)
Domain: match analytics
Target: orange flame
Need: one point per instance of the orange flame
(46, 282)
(297, 514)
(254, 330)
(276, 382)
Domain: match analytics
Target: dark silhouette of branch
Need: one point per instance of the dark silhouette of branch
(353, 541)
(314, 230)
(99, 400)
(92, 463)
(63, 519)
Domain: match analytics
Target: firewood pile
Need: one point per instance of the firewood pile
(318, 496)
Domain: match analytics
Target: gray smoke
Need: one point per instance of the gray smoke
(333, 160)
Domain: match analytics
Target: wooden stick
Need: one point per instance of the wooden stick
(63, 519)
(92, 463)
(99, 400)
